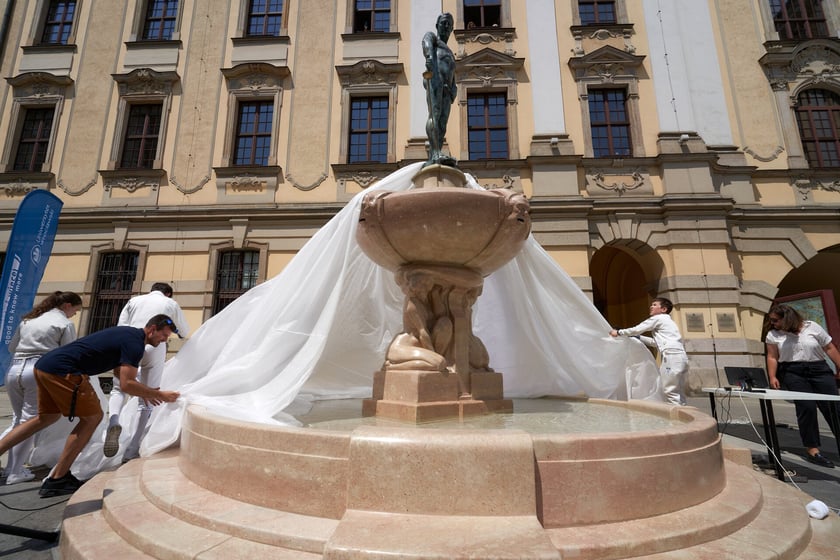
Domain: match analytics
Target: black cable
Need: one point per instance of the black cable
(7, 506)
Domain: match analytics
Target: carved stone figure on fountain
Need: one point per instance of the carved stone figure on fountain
(441, 91)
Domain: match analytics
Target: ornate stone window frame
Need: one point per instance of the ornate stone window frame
(609, 67)
(37, 31)
(489, 71)
(368, 78)
(139, 22)
(140, 86)
(620, 14)
(251, 82)
(831, 10)
(791, 68)
(31, 90)
(242, 23)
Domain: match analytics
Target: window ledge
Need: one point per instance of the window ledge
(261, 40)
(132, 180)
(19, 183)
(370, 35)
(247, 183)
(50, 48)
(141, 44)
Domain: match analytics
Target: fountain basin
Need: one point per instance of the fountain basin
(444, 226)
(564, 478)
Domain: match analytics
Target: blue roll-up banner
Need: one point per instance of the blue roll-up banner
(27, 253)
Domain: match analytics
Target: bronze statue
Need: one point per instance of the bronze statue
(439, 81)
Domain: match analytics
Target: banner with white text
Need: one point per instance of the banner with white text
(27, 253)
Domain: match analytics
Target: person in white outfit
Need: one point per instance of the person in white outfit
(136, 313)
(45, 328)
(667, 338)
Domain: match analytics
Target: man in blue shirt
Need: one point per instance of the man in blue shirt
(64, 389)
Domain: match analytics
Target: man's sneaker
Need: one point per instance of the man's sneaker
(67, 484)
(112, 440)
(25, 475)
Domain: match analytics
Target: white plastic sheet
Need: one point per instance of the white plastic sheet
(320, 328)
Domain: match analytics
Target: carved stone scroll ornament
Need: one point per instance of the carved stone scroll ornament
(771, 157)
(76, 192)
(620, 187)
(189, 190)
(131, 184)
(805, 185)
(18, 188)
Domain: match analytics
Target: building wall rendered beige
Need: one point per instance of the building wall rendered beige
(767, 268)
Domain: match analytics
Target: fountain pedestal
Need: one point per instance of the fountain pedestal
(441, 239)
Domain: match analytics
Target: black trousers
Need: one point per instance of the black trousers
(810, 377)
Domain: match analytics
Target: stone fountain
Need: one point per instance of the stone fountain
(439, 466)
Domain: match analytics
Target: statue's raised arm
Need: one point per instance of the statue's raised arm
(439, 81)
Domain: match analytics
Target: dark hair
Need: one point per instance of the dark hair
(160, 321)
(790, 319)
(665, 303)
(163, 288)
(55, 299)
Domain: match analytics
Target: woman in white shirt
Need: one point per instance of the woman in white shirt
(796, 351)
(45, 328)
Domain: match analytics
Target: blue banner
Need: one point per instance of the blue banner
(27, 253)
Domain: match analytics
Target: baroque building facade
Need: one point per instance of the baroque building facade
(683, 148)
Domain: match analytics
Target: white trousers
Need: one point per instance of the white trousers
(672, 373)
(23, 394)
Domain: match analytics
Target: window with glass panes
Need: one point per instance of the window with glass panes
(265, 18)
(596, 11)
(141, 136)
(818, 115)
(161, 18)
(58, 22)
(799, 19)
(112, 288)
(252, 145)
(368, 130)
(487, 126)
(482, 13)
(609, 122)
(371, 15)
(34, 138)
(237, 272)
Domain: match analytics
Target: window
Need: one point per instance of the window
(368, 130)
(594, 12)
(34, 139)
(265, 18)
(372, 15)
(609, 122)
(113, 286)
(818, 116)
(141, 137)
(799, 19)
(482, 13)
(253, 133)
(238, 272)
(487, 126)
(59, 22)
(160, 21)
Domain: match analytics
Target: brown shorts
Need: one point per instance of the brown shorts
(55, 392)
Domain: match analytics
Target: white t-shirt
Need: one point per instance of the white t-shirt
(806, 346)
(140, 309)
(664, 330)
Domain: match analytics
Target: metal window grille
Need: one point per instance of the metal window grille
(114, 281)
(237, 273)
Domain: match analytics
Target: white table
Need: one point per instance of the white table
(765, 398)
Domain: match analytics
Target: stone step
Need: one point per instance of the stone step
(165, 486)
(156, 532)
(741, 522)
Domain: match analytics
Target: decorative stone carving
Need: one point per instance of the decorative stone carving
(771, 157)
(366, 72)
(76, 192)
(131, 183)
(189, 190)
(805, 185)
(18, 188)
(38, 85)
(255, 76)
(599, 179)
(308, 187)
(145, 81)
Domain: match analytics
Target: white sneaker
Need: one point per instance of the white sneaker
(112, 440)
(25, 475)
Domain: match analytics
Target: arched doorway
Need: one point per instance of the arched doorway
(623, 283)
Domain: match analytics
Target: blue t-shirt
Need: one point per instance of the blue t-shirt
(96, 353)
